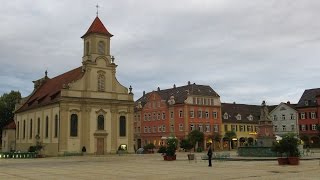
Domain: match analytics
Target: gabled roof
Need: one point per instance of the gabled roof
(289, 105)
(309, 95)
(233, 109)
(49, 90)
(97, 27)
(181, 93)
(11, 125)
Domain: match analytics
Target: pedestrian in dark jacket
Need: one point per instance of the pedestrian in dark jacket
(209, 155)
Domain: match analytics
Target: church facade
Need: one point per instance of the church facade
(85, 109)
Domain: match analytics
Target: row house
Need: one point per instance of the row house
(284, 119)
(308, 108)
(176, 112)
(243, 119)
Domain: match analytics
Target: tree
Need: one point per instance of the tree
(7, 105)
(216, 137)
(186, 144)
(229, 135)
(195, 136)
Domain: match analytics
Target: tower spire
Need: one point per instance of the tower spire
(97, 6)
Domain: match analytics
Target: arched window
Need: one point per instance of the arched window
(74, 125)
(87, 48)
(100, 122)
(101, 82)
(30, 133)
(101, 48)
(56, 124)
(24, 129)
(122, 126)
(47, 126)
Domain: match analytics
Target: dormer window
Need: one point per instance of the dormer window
(306, 103)
(238, 117)
(250, 117)
(101, 48)
(225, 116)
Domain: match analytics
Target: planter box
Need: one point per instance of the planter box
(293, 160)
(169, 158)
(283, 161)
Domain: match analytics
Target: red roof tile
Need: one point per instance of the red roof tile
(97, 27)
(49, 91)
(11, 125)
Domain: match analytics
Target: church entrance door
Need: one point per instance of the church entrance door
(100, 146)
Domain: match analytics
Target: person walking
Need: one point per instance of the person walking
(209, 155)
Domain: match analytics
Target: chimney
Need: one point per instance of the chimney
(144, 93)
(174, 86)
(189, 82)
(288, 102)
(158, 88)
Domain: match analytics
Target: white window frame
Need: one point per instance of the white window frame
(215, 115)
(180, 114)
(192, 114)
(180, 127)
(303, 116)
(313, 115)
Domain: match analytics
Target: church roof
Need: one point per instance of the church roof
(49, 91)
(97, 27)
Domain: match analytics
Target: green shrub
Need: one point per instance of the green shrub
(162, 149)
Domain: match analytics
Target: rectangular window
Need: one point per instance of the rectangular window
(200, 128)
(180, 114)
(208, 128)
(207, 115)
(212, 102)
(159, 116)
(145, 129)
(216, 128)
(159, 128)
(172, 128)
(303, 127)
(163, 128)
(149, 117)
(234, 128)
(241, 128)
(284, 128)
(215, 115)
(154, 129)
(292, 127)
(283, 117)
(249, 128)
(314, 127)
(275, 128)
(38, 130)
(171, 115)
(192, 114)
(303, 116)
(199, 113)
(275, 117)
(191, 127)
(225, 127)
(154, 116)
(122, 126)
(313, 115)
(149, 129)
(163, 116)
(180, 127)
(292, 116)
(138, 129)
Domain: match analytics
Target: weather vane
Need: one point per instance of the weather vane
(97, 6)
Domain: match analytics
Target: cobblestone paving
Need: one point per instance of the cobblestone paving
(152, 166)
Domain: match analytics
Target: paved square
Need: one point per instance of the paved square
(151, 166)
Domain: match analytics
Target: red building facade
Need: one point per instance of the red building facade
(176, 112)
(309, 109)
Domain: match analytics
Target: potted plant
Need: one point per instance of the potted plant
(171, 149)
(279, 150)
(289, 146)
(187, 145)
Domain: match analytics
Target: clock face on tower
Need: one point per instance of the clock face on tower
(101, 47)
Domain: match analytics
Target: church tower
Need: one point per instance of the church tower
(96, 42)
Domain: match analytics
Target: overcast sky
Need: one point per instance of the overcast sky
(246, 50)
